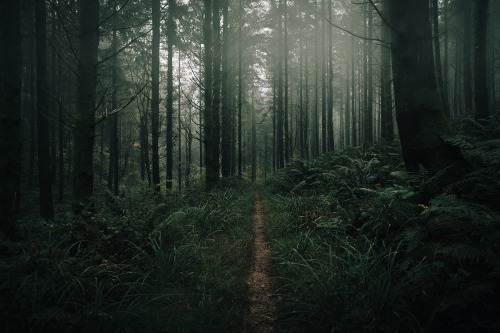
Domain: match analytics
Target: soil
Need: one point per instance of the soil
(260, 316)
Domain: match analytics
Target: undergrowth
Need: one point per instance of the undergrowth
(135, 263)
(355, 251)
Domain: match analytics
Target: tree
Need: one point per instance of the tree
(226, 95)
(114, 151)
(329, 118)
(480, 85)
(155, 97)
(419, 110)
(279, 116)
(240, 86)
(386, 128)
(170, 92)
(467, 55)
(83, 173)
(212, 170)
(443, 91)
(44, 175)
(10, 113)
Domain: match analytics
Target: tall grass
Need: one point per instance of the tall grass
(355, 250)
(139, 262)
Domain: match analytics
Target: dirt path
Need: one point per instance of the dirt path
(262, 306)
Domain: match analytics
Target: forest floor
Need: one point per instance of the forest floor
(260, 316)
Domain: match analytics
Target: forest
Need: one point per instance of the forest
(249, 166)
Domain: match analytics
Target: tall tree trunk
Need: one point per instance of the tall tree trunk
(240, 87)
(189, 143)
(437, 57)
(387, 126)
(10, 113)
(44, 174)
(480, 78)
(279, 132)
(467, 56)
(353, 97)
(226, 95)
(114, 151)
(254, 141)
(210, 176)
(316, 142)
(347, 113)
(60, 131)
(274, 120)
(170, 93)
(83, 173)
(368, 84)
(286, 101)
(306, 109)
(324, 141)
(419, 111)
(155, 86)
(301, 96)
(329, 118)
(446, 87)
(179, 147)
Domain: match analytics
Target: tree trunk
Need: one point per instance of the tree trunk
(254, 142)
(114, 151)
(179, 147)
(480, 79)
(279, 131)
(226, 96)
(210, 174)
(10, 113)
(240, 88)
(329, 120)
(437, 57)
(353, 97)
(83, 173)
(44, 174)
(419, 110)
(347, 121)
(467, 56)
(170, 93)
(155, 102)
(286, 101)
(387, 126)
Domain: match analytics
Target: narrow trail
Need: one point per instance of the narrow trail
(260, 316)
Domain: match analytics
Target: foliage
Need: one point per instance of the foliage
(355, 250)
(136, 262)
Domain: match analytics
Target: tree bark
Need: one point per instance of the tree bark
(226, 96)
(10, 113)
(155, 97)
(240, 87)
(83, 173)
(480, 77)
(437, 57)
(170, 93)
(279, 123)
(467, 56)
(419, 110)
(286, 100)
(387, 126)
(211, 175)
(44, 172)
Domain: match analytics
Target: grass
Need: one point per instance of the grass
(136, 263)
(354, 250)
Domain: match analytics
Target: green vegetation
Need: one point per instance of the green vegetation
(140, 262)
(355, 249)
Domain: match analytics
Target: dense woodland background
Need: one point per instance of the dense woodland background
(132, 131)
